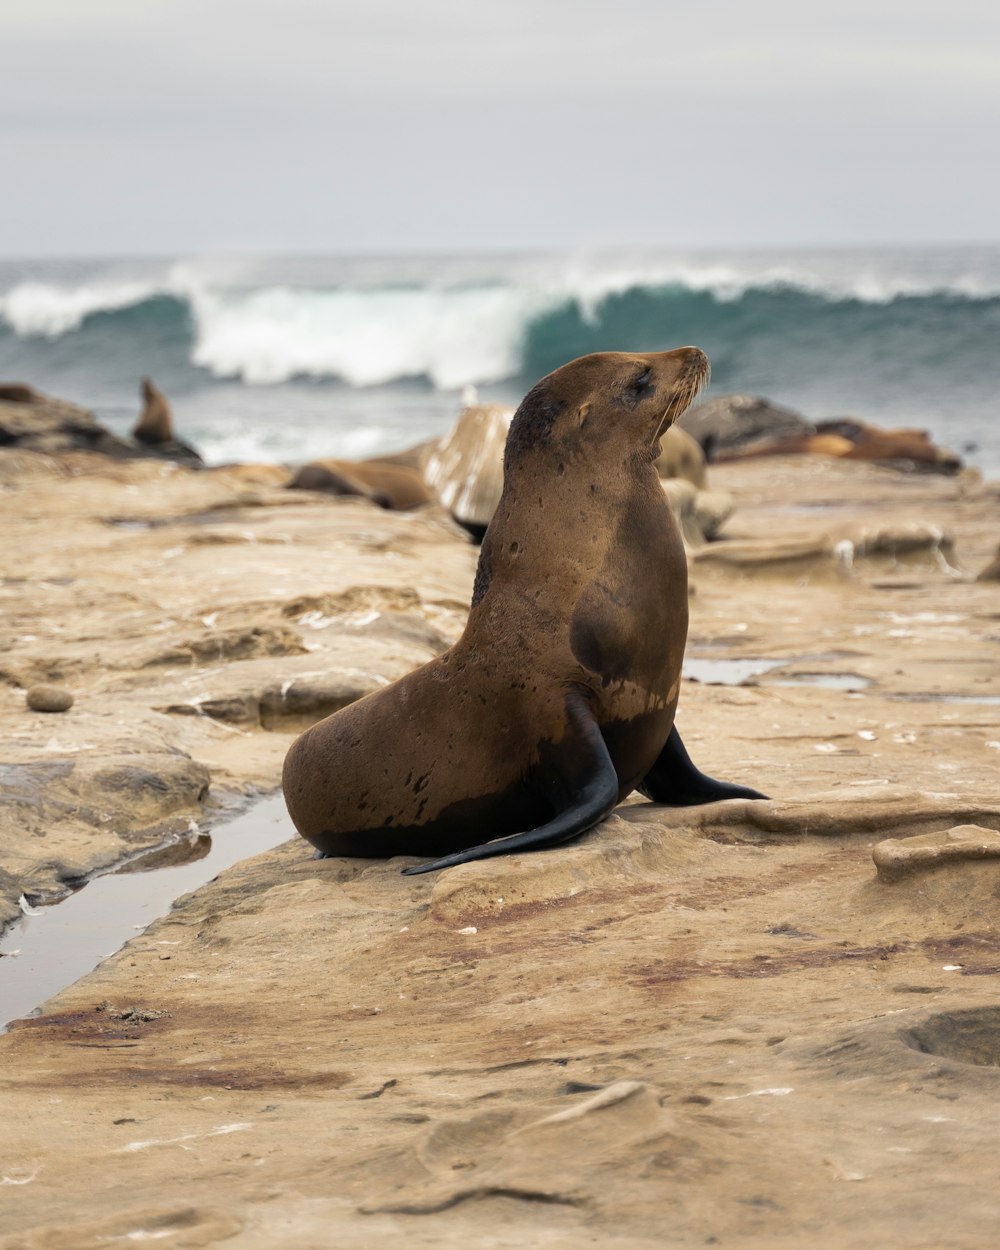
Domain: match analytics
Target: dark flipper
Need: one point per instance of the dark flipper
(587, 774)
(675, 781)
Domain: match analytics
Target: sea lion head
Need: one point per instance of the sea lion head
(605, 408)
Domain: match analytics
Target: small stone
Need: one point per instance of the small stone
(49, 699)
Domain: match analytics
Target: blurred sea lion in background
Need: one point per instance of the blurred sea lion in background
(389, 485)
(911, 449)
(155, 424)
(848, 439)
(730, 424)
(155, 428)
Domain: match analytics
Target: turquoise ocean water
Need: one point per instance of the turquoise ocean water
(286, 358)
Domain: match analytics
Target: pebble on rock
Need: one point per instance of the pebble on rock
(49, 699)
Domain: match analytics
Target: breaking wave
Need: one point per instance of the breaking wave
(483, 331)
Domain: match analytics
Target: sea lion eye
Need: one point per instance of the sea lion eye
(640, 383)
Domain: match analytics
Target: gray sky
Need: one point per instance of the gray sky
(387, 125)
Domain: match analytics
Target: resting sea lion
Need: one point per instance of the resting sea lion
(388, 485)
(558, 700)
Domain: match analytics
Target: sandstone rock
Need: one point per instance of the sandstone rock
(35, 422)
(465, 469)
(48, 425)
(277, 475)
(682, 457)
(414, 457)
(49, 699)
(713, 1020)
(897, 857)
(991, 573)
(700, 514)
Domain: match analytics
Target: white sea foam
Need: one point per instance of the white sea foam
(366, 337)
(44, 310)
(456, 321)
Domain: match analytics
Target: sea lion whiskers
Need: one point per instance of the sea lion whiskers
(679, 404)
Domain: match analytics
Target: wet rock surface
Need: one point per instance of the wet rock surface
(721, 1022)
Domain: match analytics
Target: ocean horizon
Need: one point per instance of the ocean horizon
(287, 357)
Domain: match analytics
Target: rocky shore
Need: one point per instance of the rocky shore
(726, 1025)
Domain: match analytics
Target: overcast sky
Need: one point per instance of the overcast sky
(128, 126)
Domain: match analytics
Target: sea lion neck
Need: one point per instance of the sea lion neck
(577, 517)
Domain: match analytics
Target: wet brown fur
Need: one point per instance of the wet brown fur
(581, 594)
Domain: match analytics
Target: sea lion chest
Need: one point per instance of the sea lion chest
(628, 627)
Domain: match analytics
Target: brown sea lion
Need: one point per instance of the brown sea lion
(728, 424)
(558, 700)
(155, 429)
(388, 485)
(794, 445)
(155, 424)
(901, 448)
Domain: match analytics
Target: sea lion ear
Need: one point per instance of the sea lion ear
(582, 414)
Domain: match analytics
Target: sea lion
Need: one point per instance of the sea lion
(847, 439)
(897, 448)
(155, 429)
(558, 700)
(730, 423)
(155, 424)
(388, 485)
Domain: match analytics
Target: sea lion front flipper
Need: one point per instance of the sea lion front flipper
(676, 782)
(587, 773)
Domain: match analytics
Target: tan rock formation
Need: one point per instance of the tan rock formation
(465, 469)
(713, 1025)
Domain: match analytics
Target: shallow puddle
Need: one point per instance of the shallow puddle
(711, 672)
(727, 672)
(938, 696)
(45, 952)
(825, 681)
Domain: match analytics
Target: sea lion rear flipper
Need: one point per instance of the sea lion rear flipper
(589, 775)
(676, 782)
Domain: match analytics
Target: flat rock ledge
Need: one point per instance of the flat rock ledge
(721, 1022)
